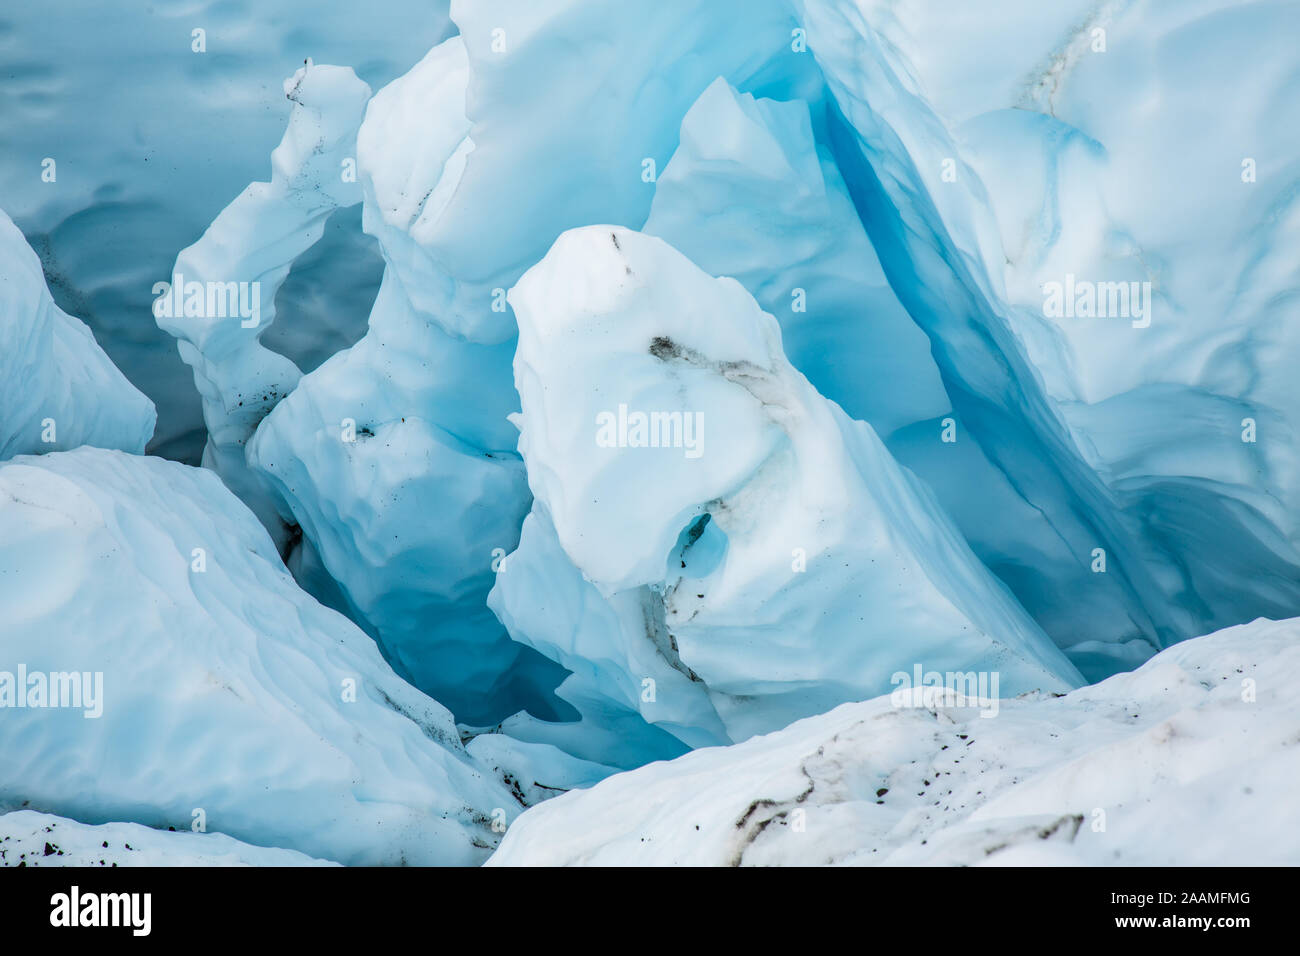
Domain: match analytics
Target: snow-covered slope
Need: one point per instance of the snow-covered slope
(210, 682)
(28, 838)
(1190, 760)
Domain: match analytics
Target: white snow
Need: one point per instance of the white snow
(1191, 760)
(28, 838)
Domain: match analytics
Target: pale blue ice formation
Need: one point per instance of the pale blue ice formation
(755, 557)
(1078, 149)
(214, 687)
(750, 194)
(595, 383)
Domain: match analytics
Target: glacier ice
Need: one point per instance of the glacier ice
(1117, 773)
(574, 106)
(225, 689)
(447, 156)
(609, 646)
(534, 772)
(763, 556)
(58, 389)
(752, 193)
(987, 185)
(623, 383)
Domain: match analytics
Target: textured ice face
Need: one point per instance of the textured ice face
(616, 327)
(737, 536)
(1154, 423)
(223, 688)
(1114, 774)
(57, 388)
(752, 192)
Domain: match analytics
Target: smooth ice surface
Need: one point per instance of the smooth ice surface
(226, 689)
(57, 387)
(567, 102)
(762, 560)
(28, 838)
(1190, 760)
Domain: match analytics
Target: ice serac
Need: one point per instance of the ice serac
(465, 188)
(28, 838)
(395, 457)
(221, 297)
(732, 522)
(1152, 417)
(225, 689)
(58, 389)
(1111, 774)
(752, 193)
